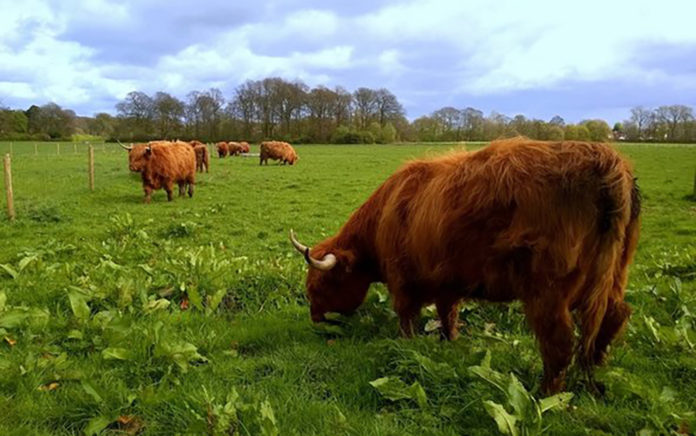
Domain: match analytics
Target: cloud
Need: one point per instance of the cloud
(505, 55)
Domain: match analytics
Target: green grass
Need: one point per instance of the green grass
(92, 283)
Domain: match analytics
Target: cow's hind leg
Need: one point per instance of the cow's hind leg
(553, 326)
(182, 188)
(448, 311)
(615, 319)
(190, 188)
(169, 187)
(408, 309)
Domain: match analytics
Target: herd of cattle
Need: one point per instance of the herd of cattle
(552, 224)
(162, 164)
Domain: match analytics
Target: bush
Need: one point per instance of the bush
(86, 138)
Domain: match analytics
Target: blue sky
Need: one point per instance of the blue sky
(536, 57)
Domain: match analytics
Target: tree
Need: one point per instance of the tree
(426, 129)
(103, 125)
(557, 121)
(320, 102)
(203, 113)
(388, 107)
(450, 120)
(13, 122)
(366, 106)
(472, 123)
(641, 118)
(672, 117)
(598, 130)
(168, 114)
(55, 122)
(136, 113)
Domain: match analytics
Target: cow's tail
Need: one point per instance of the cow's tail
(616, 238)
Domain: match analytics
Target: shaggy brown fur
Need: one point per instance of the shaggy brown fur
(202, 157)
(234, 148)
(222, 149)
(277, 150)
(553, 224)
(245, 146)
(161, 164)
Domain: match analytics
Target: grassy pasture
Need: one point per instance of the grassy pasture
(188, 317)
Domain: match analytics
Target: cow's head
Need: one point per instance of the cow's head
(138, 156)
(335, 283)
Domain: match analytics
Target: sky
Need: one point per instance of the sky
(578, 59)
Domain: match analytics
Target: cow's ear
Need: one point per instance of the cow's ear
(148, 151)
(346, 260)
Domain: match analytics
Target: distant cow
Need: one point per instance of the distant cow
(234, 148)
(553, 224)
(222, 149)
(245, 147)
(202, 157)
(277, 150)
(161, 164)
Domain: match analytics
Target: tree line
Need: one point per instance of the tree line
(274, 108)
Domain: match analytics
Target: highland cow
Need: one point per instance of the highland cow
(202, 157)
(222, 149)
(276, 150)
(161, 164)
(234, 148)
(245, 147)
(552, 224)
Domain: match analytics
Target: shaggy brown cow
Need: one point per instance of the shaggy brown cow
(202, 157)
(245, 147)
(161, 164)
(277, 150)
(553, 224)
(222, 149)
(234, 148)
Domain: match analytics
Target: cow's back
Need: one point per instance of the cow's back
(514, 204)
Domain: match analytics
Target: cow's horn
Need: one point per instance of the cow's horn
(127, 148)
(328, 262)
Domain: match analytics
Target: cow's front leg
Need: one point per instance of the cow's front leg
(448, 311)
(148, 194)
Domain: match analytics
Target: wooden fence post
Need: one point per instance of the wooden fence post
(8, 189)
(91, 168)
(57, 147)
(36, 149)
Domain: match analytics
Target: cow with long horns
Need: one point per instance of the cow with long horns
(553, 224)
(161, 164)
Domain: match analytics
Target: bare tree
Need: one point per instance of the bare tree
(366, 106)
(168, 113)
(673, 117)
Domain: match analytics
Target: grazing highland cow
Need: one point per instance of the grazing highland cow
(234, 148)
(162, 164)
(222, 149)
(553, 224)
(245, 147)
(276, 150)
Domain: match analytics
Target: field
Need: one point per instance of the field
(188, 317)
